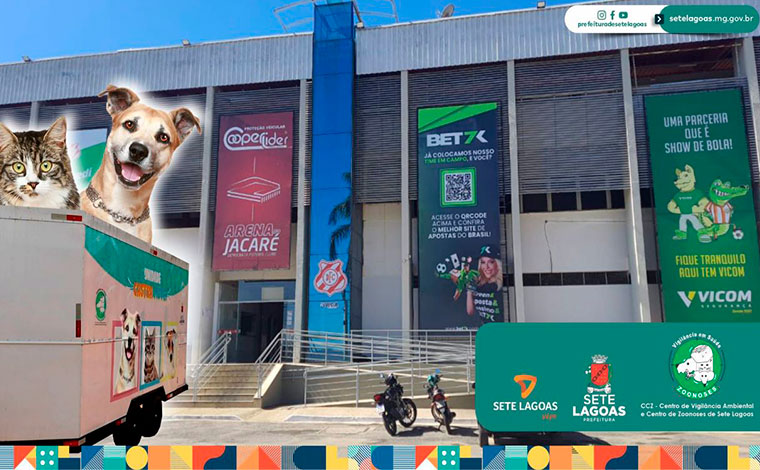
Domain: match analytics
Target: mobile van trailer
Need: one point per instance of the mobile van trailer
(93, 329)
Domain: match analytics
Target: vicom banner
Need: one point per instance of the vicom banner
(706, 227)
(254, 178)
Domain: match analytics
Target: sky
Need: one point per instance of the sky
(45, 28)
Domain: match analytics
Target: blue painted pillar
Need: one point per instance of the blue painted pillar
(331, 161)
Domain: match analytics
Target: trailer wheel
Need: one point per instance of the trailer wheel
(127, 434)
(151, 417)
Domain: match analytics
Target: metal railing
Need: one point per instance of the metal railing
(344, 367)
(208, 363)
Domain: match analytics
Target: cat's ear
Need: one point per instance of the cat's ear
(56, 135)
(7, 138)
(118, 99)
(184, 121)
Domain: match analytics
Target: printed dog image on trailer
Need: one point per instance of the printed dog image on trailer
(169, 360)
(126, 334)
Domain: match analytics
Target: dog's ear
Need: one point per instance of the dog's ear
(118, 99)
(7, 138)
(184, 121)
(56, 135)
(689, 169)
(124, 315)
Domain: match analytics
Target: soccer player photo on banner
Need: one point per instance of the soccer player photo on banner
(706, 225)
(461, 273)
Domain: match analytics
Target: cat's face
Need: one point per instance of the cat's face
(34, 167)
(150, 347)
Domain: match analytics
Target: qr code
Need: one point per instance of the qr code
(458, 187)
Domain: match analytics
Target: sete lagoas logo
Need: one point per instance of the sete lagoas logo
(696, 365)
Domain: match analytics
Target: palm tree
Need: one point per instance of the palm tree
(340, 218)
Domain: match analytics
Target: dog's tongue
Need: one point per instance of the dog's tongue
(129, 355)
(131, 172)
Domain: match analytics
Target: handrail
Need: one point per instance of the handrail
(214, 355)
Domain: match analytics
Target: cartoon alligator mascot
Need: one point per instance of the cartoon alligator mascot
(690, 204)
(717, 215)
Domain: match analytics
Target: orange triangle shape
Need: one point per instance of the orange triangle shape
(251, 462)
(653, 463)
(667, 463)
(20, 453)
(421, 454)
(265, 463)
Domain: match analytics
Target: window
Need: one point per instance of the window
(617, 199)
(647, 197)
(564, 202)
(534, 203)
(683, 63)
(591, 200)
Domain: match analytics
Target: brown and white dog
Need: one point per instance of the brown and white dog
(130, 327)
(139, 148)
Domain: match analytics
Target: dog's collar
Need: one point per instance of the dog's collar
(130, 377)
(119, 218)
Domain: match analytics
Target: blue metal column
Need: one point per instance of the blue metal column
(331, 162)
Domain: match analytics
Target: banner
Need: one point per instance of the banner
(706, 227)
(86, 148)
(254, 178)
(616, 377)
(460, 269)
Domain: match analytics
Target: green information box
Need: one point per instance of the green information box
(617, 377)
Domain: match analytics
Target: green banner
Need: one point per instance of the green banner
(616, 377)
(706, 227)
(152, 276)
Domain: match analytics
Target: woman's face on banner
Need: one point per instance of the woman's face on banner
(488, 267)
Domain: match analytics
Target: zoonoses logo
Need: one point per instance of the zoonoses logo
(236, 139)
(696, 365)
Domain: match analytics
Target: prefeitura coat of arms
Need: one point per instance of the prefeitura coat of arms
(600, 373)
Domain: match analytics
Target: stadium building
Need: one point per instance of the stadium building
(573, 183)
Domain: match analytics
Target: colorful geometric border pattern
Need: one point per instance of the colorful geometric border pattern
(380, 458)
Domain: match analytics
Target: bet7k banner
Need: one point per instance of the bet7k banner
(617, 377)
(706, 227)
(459, 238)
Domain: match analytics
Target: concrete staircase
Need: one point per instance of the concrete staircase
(230, 385)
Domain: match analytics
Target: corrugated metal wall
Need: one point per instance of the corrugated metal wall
(285, 98)
(571, 125)
(179, 189)
(642, 144)
(15, 117)
(377, 138)
(252, 60)
(448, 87)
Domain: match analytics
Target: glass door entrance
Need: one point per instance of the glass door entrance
(253, 325)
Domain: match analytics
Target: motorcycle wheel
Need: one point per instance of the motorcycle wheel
(436, 414)
(410, 413)
(390, 425)
(447, 416)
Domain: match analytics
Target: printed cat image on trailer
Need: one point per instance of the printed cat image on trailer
(151, 350)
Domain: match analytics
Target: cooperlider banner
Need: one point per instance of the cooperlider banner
(597, 377)
(254, 178)
(706, 226)
(461, 274)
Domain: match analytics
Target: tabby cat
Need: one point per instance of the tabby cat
(35, 170)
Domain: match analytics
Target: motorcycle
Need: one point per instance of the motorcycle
(439, 408)
(392, 407)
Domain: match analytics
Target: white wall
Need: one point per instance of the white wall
(183, 243)
(381, 273)
(574, 241)
(578, 304)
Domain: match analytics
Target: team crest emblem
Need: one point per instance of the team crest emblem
(330, 279)
(600, 374)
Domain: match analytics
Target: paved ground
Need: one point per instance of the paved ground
(356, 426)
